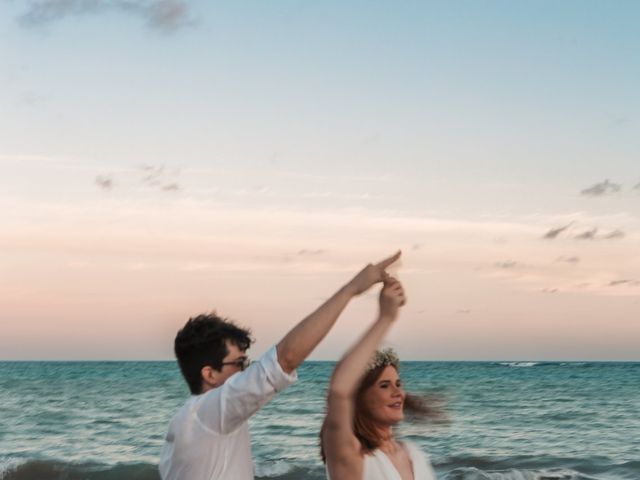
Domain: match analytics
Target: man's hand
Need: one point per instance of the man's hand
(305, 336)
(370, 275)
(391, 298)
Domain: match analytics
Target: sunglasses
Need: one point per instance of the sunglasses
(240, 363)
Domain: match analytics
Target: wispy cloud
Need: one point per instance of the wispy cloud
(554, 232)
(592, 234)
(568, 259)
(615, 283)
(507, 264)
(332, 194)
(171, 187)
(32, 98)
(621, 121)
(333, 178)
(614, 234)
(549, 290)
(311, 252)
(587, 235)
(159, 176)
(163, 15)
(600, 189)
(152, 174)
(104, 182)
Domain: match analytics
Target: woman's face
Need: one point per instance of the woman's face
(384, 400)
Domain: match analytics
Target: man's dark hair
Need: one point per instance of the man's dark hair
(202, 342)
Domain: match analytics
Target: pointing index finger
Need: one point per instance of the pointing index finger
(388, 261)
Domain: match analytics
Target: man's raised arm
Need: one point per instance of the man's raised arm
(306, 335)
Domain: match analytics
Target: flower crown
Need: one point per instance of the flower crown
(383, 358)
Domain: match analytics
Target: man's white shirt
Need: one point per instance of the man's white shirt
(208, 437)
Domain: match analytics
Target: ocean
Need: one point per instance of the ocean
(508, 420)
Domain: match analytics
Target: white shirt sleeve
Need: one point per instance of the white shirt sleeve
(226, 407)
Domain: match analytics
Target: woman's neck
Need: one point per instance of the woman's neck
(386, 435)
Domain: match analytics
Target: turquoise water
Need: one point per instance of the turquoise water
(509, 421)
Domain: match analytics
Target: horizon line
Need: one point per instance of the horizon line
(322, 361)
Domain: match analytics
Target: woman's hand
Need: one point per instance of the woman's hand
(342, 448)
(391, 298)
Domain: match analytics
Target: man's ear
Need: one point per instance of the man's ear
(210, 378)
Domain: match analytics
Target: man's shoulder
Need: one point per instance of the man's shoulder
(193, 413)
(187, 409)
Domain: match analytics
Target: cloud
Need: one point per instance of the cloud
(159, 176)
(507, 264)
(549, 290)
(637, 187)
(168, 15)
(32, 98)
(333, 194)
(464, 311)
(588, 235)
(568, 259)
(311, 252)
(554, 232)
(163, 15)
(615, 283)
(152, 174)
(621, 121)
(614, 234)
(592, 235)
(600, 189)
(104, 182)
(171, 187)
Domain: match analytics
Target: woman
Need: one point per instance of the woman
(365, 401)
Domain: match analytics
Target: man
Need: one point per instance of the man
(208, 437)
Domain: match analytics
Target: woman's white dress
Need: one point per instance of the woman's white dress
(377, 466)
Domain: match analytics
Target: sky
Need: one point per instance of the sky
(163, 158)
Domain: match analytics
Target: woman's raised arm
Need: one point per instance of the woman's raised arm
(341, 447)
